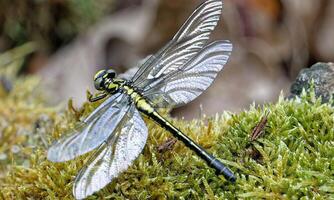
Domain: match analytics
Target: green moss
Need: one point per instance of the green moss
(292, 160)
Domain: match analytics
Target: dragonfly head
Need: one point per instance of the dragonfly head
(103, 79)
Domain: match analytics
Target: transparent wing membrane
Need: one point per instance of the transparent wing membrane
(187, 83)
(188, 41)
(113, 156)
(89, 134)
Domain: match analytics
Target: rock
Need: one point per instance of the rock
(323, 76)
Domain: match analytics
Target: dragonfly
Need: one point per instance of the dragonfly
(177, 74)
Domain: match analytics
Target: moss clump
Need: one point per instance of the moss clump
(292, 160)
(21, 110)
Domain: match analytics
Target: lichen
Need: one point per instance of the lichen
(293, 159)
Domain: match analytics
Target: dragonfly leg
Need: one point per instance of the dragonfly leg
(96, 97)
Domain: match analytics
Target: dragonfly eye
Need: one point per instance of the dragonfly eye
(98, 79)
(100, 74)
(98, 83)
(111, 73)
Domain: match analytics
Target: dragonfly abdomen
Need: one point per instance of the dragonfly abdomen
(211, 160)
(145, 106)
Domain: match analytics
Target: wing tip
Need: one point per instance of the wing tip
(218, 4)
(208, 5)
(78, 194)
(213, 1)
(54, 155)
(79, 190)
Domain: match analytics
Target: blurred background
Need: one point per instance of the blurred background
(72, 39)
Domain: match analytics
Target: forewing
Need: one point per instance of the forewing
(189, 40)
(89, 134)
(189, 82)
(113, 156)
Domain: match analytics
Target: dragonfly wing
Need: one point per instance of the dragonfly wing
(189, 82)
(89, 134)
(113, 156)
(189, 40)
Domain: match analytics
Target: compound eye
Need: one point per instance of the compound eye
(100, 74)
(111, 73)
(98, 83)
